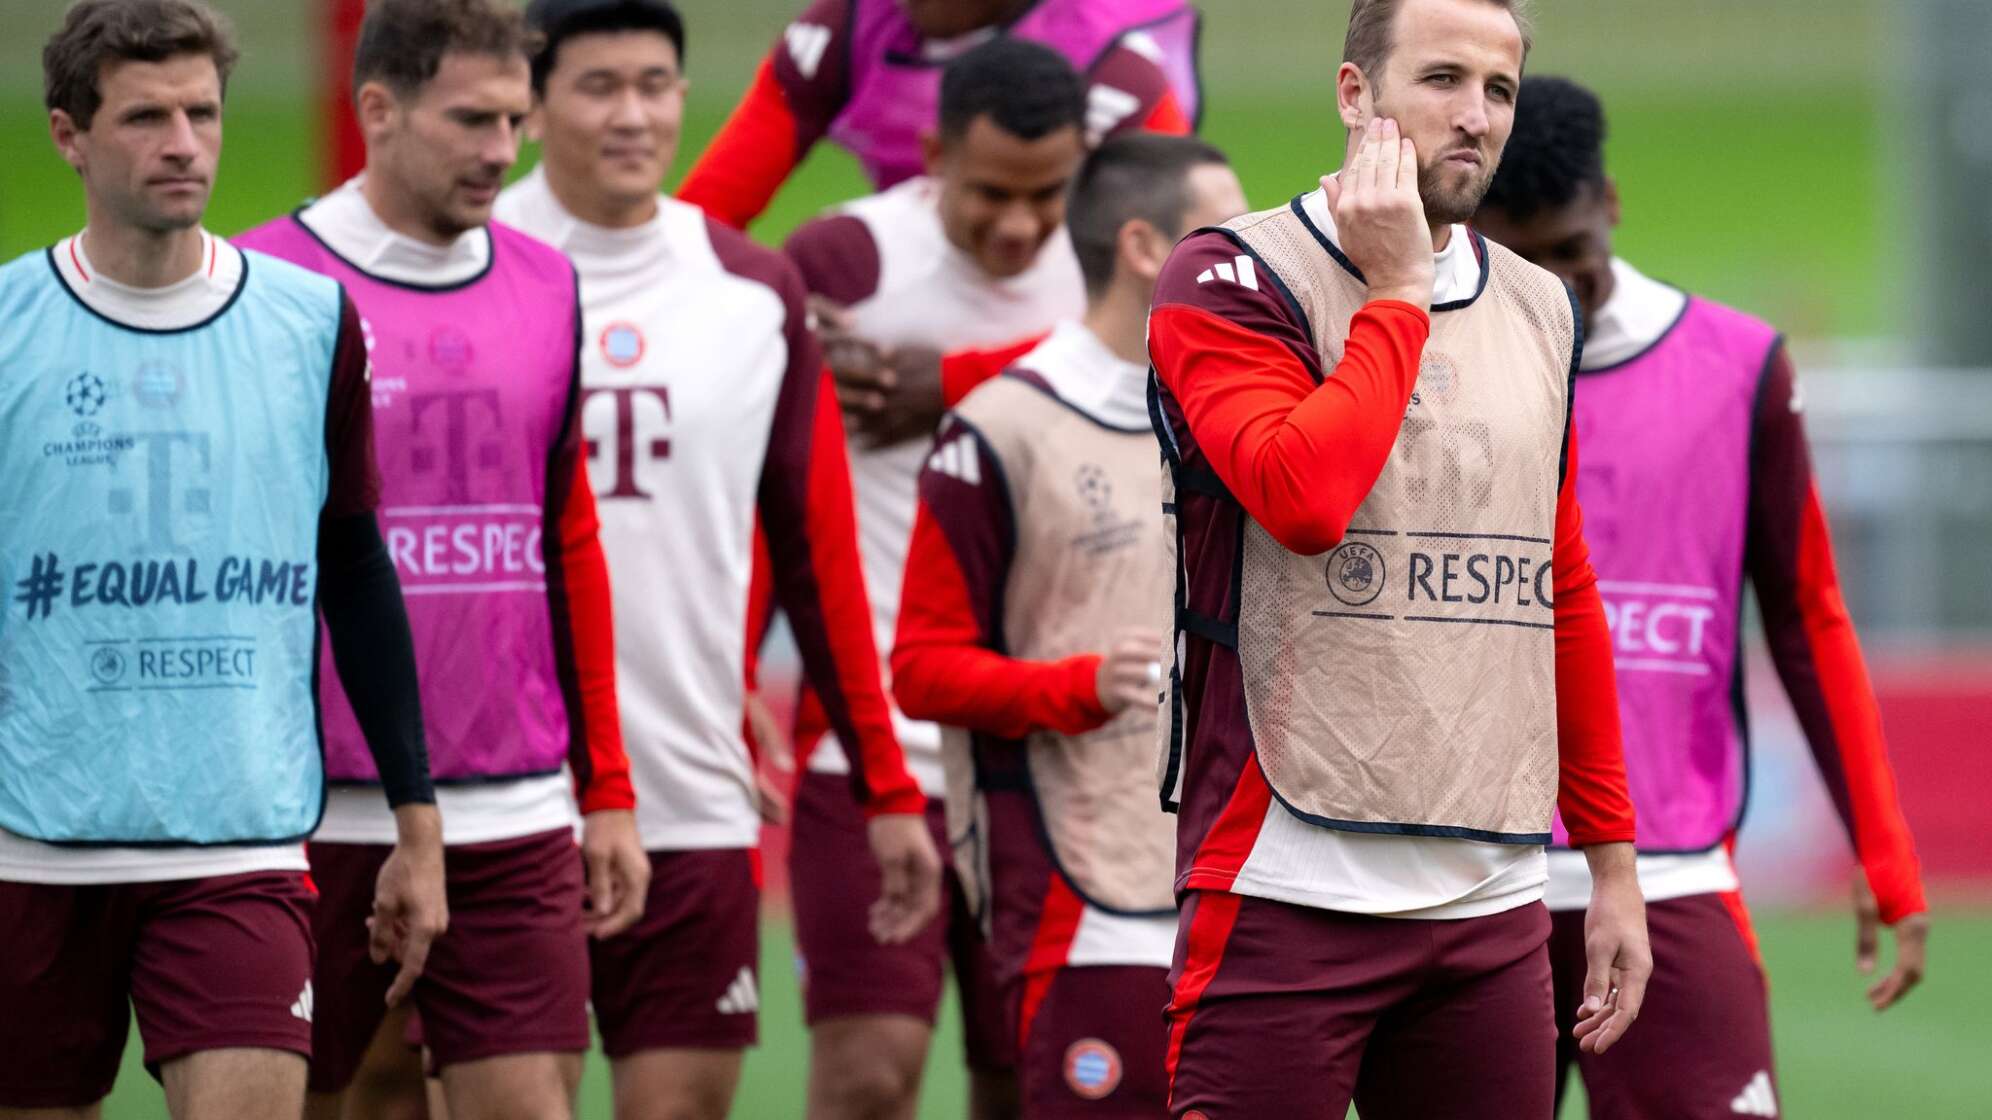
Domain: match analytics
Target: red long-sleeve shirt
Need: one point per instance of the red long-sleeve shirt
(1299, 448)
(947, 663)
(1788, 556)
(804, 84)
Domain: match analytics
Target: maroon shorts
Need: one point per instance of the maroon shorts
(834, 880)
(686, 976)
(509, 976)
(207, 964)
(1095, 1043)
(1290, 1011)
(1702, 1047)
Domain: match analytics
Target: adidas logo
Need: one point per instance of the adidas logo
(957, 459)
(1244, 273)
(301, 1008)
(1106, 108)
(742, 997)
(1756, 1099)
(806, 44)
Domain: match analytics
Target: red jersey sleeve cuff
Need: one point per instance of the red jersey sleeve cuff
(608, 792)
(1611, 834)
(906, 800)
(1082, 683)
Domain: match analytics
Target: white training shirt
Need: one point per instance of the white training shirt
(683, 359)
(926, 293)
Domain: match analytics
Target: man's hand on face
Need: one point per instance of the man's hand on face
(1380, 217)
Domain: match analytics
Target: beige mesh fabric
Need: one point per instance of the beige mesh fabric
(1089, 563)
(1168, 763)
(1407, 678)
(967, 821)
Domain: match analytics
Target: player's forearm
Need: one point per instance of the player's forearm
(374, 652)
(963, 370)
(1300, 457)
(978, 689)
(751, 157)
(1789, 556)
(1592, 790)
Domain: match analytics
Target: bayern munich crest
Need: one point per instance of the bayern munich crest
(622, 344)
(1355, 574)
(1092, 1068)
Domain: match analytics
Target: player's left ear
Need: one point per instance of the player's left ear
(1612, 200)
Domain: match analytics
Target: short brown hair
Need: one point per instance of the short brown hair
(1368, 43)
(98, 32)
(402, 42)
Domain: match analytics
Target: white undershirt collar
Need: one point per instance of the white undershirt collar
(347, 224)
(1090, 377)
(184, 303)
(1456, 272)
(1638, 312)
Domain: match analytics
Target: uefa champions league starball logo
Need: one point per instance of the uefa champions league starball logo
(86, 394)
(1096, 489)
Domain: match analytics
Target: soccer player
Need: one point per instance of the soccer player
(1392, 663)
(866, 74)
(474, 330)
(973, 254)
(1695, 474)
(187, 440)
(706, 410)
(1028, 627)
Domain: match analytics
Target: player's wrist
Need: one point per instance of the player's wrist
(1612, 862)
(1418, 296)
(418, 825)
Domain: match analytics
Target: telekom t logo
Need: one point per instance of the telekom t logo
(449, 451)
(161, 509)
(626, 449)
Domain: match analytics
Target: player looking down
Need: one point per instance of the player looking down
(1696, 474)
(187, 437)
(706, 407)
(474, 328)
(973, 254)
(1028, 627)
(1391, 665)
(867, 74)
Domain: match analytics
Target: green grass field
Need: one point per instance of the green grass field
(1818, 270)
(1837, 1060)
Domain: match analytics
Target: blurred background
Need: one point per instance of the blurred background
(1818, 162)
